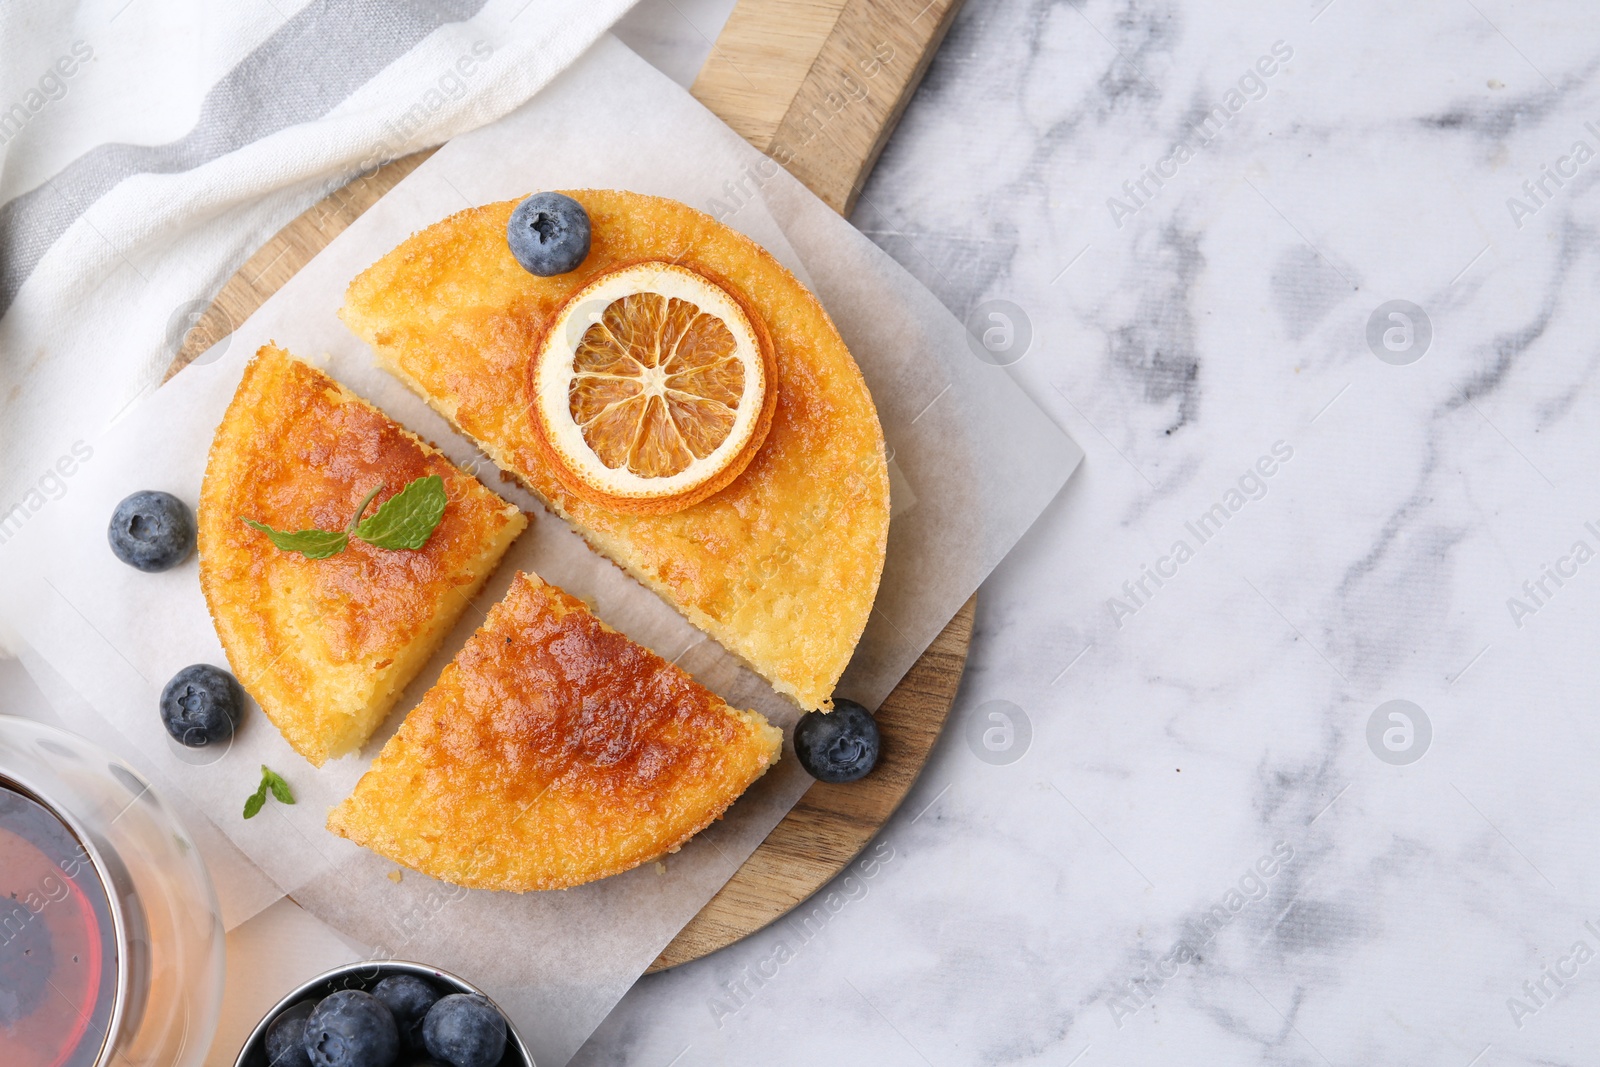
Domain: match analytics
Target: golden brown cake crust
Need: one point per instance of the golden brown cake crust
(315, 641)
(553, 751)
(782, 566)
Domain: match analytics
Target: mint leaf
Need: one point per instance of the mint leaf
(280, 788)
(312, 544)
(270, 779)
(361, 508)
(407, 519)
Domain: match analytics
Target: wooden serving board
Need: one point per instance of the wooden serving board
(818, 85)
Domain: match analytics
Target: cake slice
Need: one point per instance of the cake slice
(781, 566)
(553, 751)
(326, 645)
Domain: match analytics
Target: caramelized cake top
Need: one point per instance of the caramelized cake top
(310, 638)
(553, 751)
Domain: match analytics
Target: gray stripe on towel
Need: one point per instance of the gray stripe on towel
(305, 69)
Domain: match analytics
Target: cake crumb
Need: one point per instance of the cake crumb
(395, 876)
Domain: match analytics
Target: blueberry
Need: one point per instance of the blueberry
(408, 999)
(351, 1029)
(839, 745)
(151, 531)
(465, 1030)
(201, 705)
(284, 1036)
(549, 234)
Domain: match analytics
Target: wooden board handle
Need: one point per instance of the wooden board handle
(818, 85)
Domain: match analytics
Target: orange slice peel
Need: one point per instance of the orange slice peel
(653, 388)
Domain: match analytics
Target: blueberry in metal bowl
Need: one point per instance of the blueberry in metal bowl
(351, 1028)
(284, 1048)
(465, 1030)
(366, 977)
(408, 999)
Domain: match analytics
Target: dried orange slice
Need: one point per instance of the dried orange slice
(653, 388)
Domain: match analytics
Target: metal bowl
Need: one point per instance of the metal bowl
(364, 976)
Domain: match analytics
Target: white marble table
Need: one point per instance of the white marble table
(1189, 726)
(1194, 838)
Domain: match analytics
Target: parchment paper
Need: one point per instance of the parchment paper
(974, 462)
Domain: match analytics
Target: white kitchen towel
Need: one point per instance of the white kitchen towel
(148, 147)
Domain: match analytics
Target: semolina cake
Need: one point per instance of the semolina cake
(780, 566)
(553, 751)
(325, 646)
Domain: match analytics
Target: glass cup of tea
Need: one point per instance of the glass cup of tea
(111, 943)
